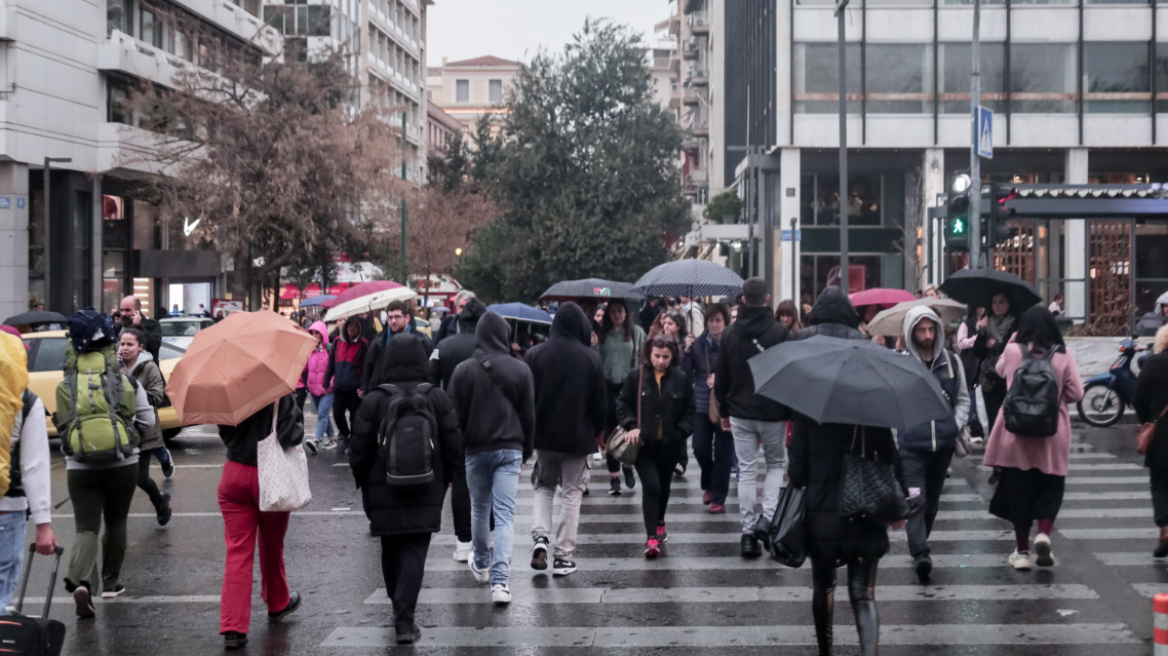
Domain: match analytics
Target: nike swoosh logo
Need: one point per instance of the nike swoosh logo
(189, 227)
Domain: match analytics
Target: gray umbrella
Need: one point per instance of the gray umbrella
(847, 381)
(689, 278)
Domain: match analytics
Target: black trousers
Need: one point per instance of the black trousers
(1159, 479)
(1023, 496)
(714, 450)
(344, 401)
(861, 592)
(403, 562)
(655, 462)
(924, 471)
(145, 483)
(460, 506)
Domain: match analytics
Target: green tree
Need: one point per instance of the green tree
(725, 204)
(585, 174)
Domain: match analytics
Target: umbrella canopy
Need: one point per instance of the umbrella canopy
(520, 312)
(237, 366)
(977, 287)
(316, 300)
(890, 322)
(439, 309)
(689, 278)
(882, 296)
(849, 381)
(1163, 300)
(571, 290)
(366, 297)
(36, 317)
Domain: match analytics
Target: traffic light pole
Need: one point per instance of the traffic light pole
(845, 270)
(974, 221)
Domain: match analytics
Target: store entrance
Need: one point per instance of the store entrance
(188, 296)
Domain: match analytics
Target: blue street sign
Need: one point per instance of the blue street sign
(787, 235)
(5, 203)
(20, 202)
(985, 132)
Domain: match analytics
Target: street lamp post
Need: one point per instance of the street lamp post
(975, 161)
(843, 146)
(48, 243)
(405, 216)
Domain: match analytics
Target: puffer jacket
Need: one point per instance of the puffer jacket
(147, 374)
(832, 316)
(947, 368)
(317, 365)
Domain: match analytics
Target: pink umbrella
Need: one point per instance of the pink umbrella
(362, 289)
(881, 296)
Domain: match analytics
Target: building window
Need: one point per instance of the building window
(150, 27)
(1043, 78)
(954, 63)
(304, 20)
(496, 88)
(900, 78)
(1115, 77)
(82, 238)
(817, 78)
(118, 17)
(114, 242)
(116, 111)
(1162, 77)
(462, 90)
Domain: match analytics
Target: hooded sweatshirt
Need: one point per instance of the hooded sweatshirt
(457, 346)
(496, 409)
(832, 316)
(569, 386)
(346, 360)
(318, 360)
(755, 331)
(937, 435)
(147, 374)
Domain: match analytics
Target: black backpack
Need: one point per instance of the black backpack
(407, 439)
(1032, 402)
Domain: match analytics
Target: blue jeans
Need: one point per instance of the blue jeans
(161, 453)
(324, 409)
(493, 479)
(12, 548)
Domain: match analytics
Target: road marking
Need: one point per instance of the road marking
(1128, 558)
(1065, 513)
(1109, 533)
(443, 563)
(154, 599)
(1091, 455)
(1104, 466)
(721, 538)
(1148, 590)
(1107, 480)
(653, 637)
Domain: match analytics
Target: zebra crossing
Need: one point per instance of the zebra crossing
(701, 594)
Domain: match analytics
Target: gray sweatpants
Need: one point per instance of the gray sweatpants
(553, 468)
(748, 433)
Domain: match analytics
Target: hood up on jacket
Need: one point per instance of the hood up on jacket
(832, 306)
(570, 322)
(319, 328)
(915, 316)
(402, 361)
(345, 329)
(493, 336)
(143, 357)
(753, 321)
(471, 314)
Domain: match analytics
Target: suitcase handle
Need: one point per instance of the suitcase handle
(52, 579)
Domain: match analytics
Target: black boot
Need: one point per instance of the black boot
(750, 546)
(867, 625)
(162, 509)
(823, 609)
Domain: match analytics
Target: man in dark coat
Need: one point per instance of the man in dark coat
(458, 346)
(832, 316)
(131, 307)
(450, 324)
(398, 321)
(403, 517)
(570, 408)
(749, 417)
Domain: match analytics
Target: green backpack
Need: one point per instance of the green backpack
(95, 408)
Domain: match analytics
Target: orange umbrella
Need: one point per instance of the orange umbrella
(238, 366)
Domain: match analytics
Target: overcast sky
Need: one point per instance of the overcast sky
(515, 29)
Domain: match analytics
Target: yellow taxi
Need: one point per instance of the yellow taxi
(46, 370)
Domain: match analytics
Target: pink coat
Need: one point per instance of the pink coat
(1049, 455)
(317, 364)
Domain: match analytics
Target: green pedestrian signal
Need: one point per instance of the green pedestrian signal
(957, 231)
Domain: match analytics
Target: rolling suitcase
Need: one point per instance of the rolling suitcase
(33, 636)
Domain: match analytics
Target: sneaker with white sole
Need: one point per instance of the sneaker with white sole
(500, 594)
(310, 446)
(113, 592)
(1042, 549)
(480, 575)
(462, 551)
(561, 567)
(84, 601)
(539, 554)
(1020, 561)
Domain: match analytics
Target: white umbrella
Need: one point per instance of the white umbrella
(374, 301)
(890, 322)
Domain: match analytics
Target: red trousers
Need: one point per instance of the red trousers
(239, 501)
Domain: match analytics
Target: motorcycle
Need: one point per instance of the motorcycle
(1106, 396)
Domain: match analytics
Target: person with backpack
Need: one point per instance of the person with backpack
(343, 378)
(495, 397)
(137, 363)
(1031, 438)
(926, 450)
(569, 422)
(99, 433)
(406, 450)
(398, 321)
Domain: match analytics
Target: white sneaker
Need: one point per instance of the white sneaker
(480, 575)
(1020, 561)
(1042, 549)
(500, 594)
(462, 552)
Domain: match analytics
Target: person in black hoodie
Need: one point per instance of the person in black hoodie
(494, 395)
(569, 423)
(832, 316)
(749, 417)
(403, 517)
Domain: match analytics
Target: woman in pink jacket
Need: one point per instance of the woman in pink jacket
(315, 371)
(1034, 469)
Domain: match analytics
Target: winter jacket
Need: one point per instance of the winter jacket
(1049, 455)
(698, 362)
(668, 410)
(1150, 398)
(318, 362)
(496, 408)
(241, 440)
(376, 346)
(569, 386)
(947, 368)
(457, 346)
(755, 331)
(815, 461)
(832, 316)
(394, 510)
(449, 327)
(346, 361)
(150, 378)
(621, 356)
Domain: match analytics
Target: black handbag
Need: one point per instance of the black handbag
(869, 491)
(787, 539)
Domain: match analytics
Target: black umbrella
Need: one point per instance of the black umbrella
(571, 290)
(849, 381)
(36, 317)
(977, 287)
(689, 278)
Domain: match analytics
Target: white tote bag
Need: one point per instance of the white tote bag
(283, 473)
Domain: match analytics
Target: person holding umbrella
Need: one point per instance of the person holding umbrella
(992, 338)
(713, 447)
(620, 343)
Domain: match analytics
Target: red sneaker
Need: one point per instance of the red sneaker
(661, 536)
(717, 509)
(707, 497)
(652, 548)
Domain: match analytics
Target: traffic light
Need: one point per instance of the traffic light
(957, 216)
(999, 213)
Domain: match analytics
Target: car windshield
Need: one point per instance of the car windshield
(50, 354)
(180, 328)
(170, 352)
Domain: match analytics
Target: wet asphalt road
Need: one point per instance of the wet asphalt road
(701, 597)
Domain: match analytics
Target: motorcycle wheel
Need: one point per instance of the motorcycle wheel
(1100, 406)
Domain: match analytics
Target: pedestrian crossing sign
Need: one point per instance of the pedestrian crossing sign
(985, 133)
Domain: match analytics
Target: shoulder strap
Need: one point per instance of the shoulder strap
(1024, 348)
(28, 399)
(640, 391)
